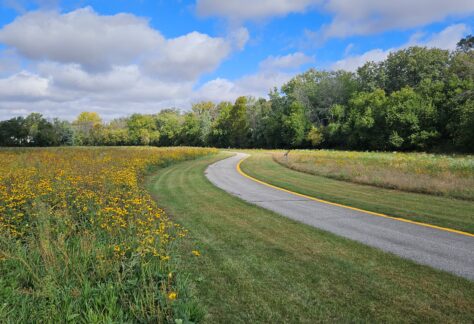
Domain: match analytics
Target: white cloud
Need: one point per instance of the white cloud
(448, 37)
(81, 36)
(65, 90)
(24, 86)
(9, 63)
(112, 64)
(351, 63)
(348, 48)
(359, 17)
(119, 64)
(73, 77)
(239, 37)
(20, 5)
(217, 90)
(365, 17)
(257, 85)
(250, 9)
(445, 39)
(188, 56)
(98, 43)
(286, 62)
(273, 72)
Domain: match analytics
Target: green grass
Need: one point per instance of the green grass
(257, 266)
(436, 210)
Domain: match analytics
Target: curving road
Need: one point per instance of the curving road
(439, 249)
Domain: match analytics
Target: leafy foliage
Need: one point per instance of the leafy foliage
(417, 99)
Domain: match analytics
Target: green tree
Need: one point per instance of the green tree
(371, 76)
(294, 125)
(206, 113)
(315, 136)
(464, 132)
(142, 130)
(116, 132)
(41, 132)
(191, 131)
(462, 65)
(466, 44)
(411, 121)
(87, 128)
(63, 132)
(13, 132)
(258, 113)
(362, 123)
(168, 124)
(238, 135)
(318, 91)
(221, 128)
(408, 67)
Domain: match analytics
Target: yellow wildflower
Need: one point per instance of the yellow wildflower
(172, 295)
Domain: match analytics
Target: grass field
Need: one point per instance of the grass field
(437, 210)
(256, 266)
(450, 176)
(81, 240)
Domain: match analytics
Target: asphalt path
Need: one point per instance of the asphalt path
(439, 249)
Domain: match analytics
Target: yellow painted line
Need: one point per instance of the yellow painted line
(349, 207)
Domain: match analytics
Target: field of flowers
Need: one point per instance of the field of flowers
(80, 237)
(451, 176)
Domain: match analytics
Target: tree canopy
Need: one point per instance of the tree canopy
(416, 99)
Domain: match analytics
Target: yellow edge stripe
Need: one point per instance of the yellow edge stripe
(349, 207)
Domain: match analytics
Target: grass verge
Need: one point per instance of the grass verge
(256, 266)
(435, 174)
(441, 211)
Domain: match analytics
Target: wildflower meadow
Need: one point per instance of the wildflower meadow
(80, 237)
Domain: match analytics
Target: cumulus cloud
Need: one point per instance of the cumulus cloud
(273, 72)
(20, 5)
(24, 86)
(239, 37)
(250, 9)
(81, 36)
(65, 90)
(445, 39)
(188, 56)
(119, 64)
(73, 77)
(351, 63)
(257, 85)
(113, 64)
(9, 63)
(98, 42)
(286, 62)
(365, 17)
(359, 17)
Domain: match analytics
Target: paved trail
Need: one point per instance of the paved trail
(437, 248)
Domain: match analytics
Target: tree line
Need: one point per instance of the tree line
(416, 99)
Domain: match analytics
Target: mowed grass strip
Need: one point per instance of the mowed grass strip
(257, 266)
(441, 211)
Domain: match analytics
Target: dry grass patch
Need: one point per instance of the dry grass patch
(451, 176)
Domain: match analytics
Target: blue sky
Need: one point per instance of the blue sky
(120, 57)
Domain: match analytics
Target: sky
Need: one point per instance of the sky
(121, 57)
